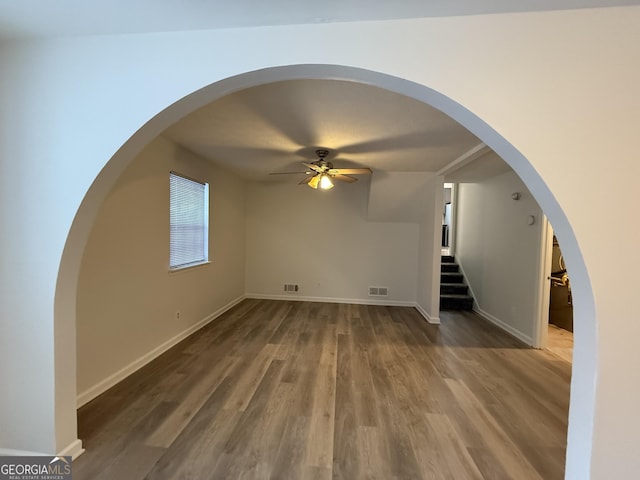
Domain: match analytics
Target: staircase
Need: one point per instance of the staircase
(453, 291)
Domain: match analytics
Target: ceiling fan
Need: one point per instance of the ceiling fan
(321, 172)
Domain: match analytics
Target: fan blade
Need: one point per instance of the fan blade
(306, 180)
(344, 178)
(286, 173)
(349, 171)
(313, 183)
(313, 166)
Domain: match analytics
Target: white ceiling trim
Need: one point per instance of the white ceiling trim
(464, 159)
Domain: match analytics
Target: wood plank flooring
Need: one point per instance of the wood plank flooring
(560, 342)
(299, 390)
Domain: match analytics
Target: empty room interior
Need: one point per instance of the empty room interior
(310, 342)
(317, 240)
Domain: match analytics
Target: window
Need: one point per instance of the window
(189, 222)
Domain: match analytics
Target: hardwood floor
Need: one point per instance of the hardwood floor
(560, 342)
(298, 390)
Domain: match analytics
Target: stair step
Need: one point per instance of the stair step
(451, 277)
(454, 288)
(454, 293)
(449, 267)
(456, 302)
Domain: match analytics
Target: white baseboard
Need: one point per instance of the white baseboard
(503, 325)
(428, 318)
(355, 301)
(466, 281)
(74, 449)
(92, 392)
(490, 318)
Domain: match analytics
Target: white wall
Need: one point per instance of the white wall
(77, 110)
(127, 300)
(414, 197)
(499, 251)
(323, 241)
(428, 261)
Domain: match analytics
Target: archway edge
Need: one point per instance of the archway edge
(584, 366)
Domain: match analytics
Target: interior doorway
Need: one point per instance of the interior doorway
(555, 324)
(448, 220)
(560, 324)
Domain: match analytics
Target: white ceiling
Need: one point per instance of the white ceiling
(274, 127)
(38, 18)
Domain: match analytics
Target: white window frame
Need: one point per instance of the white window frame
(188, 202)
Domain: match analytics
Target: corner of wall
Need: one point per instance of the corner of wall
(431, 319)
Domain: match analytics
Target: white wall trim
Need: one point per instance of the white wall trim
(504, 326)
(74, 449)
(487, 316)
(544, 284)
(464, 159)
(92, 392)
(466, 282)
(428, 318)
(355, 301)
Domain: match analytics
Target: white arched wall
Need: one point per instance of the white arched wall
(554, 95)
(69, 268)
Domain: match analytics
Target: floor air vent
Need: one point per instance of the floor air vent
(291, 287)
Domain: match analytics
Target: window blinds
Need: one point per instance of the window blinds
(189, 222)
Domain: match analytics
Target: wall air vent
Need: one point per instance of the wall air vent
(378, 291)
(291, 287)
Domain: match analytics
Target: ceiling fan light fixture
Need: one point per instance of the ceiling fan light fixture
(325, 182)
(313, 183)
(321, 173)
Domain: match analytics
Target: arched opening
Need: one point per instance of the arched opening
(583, 372)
